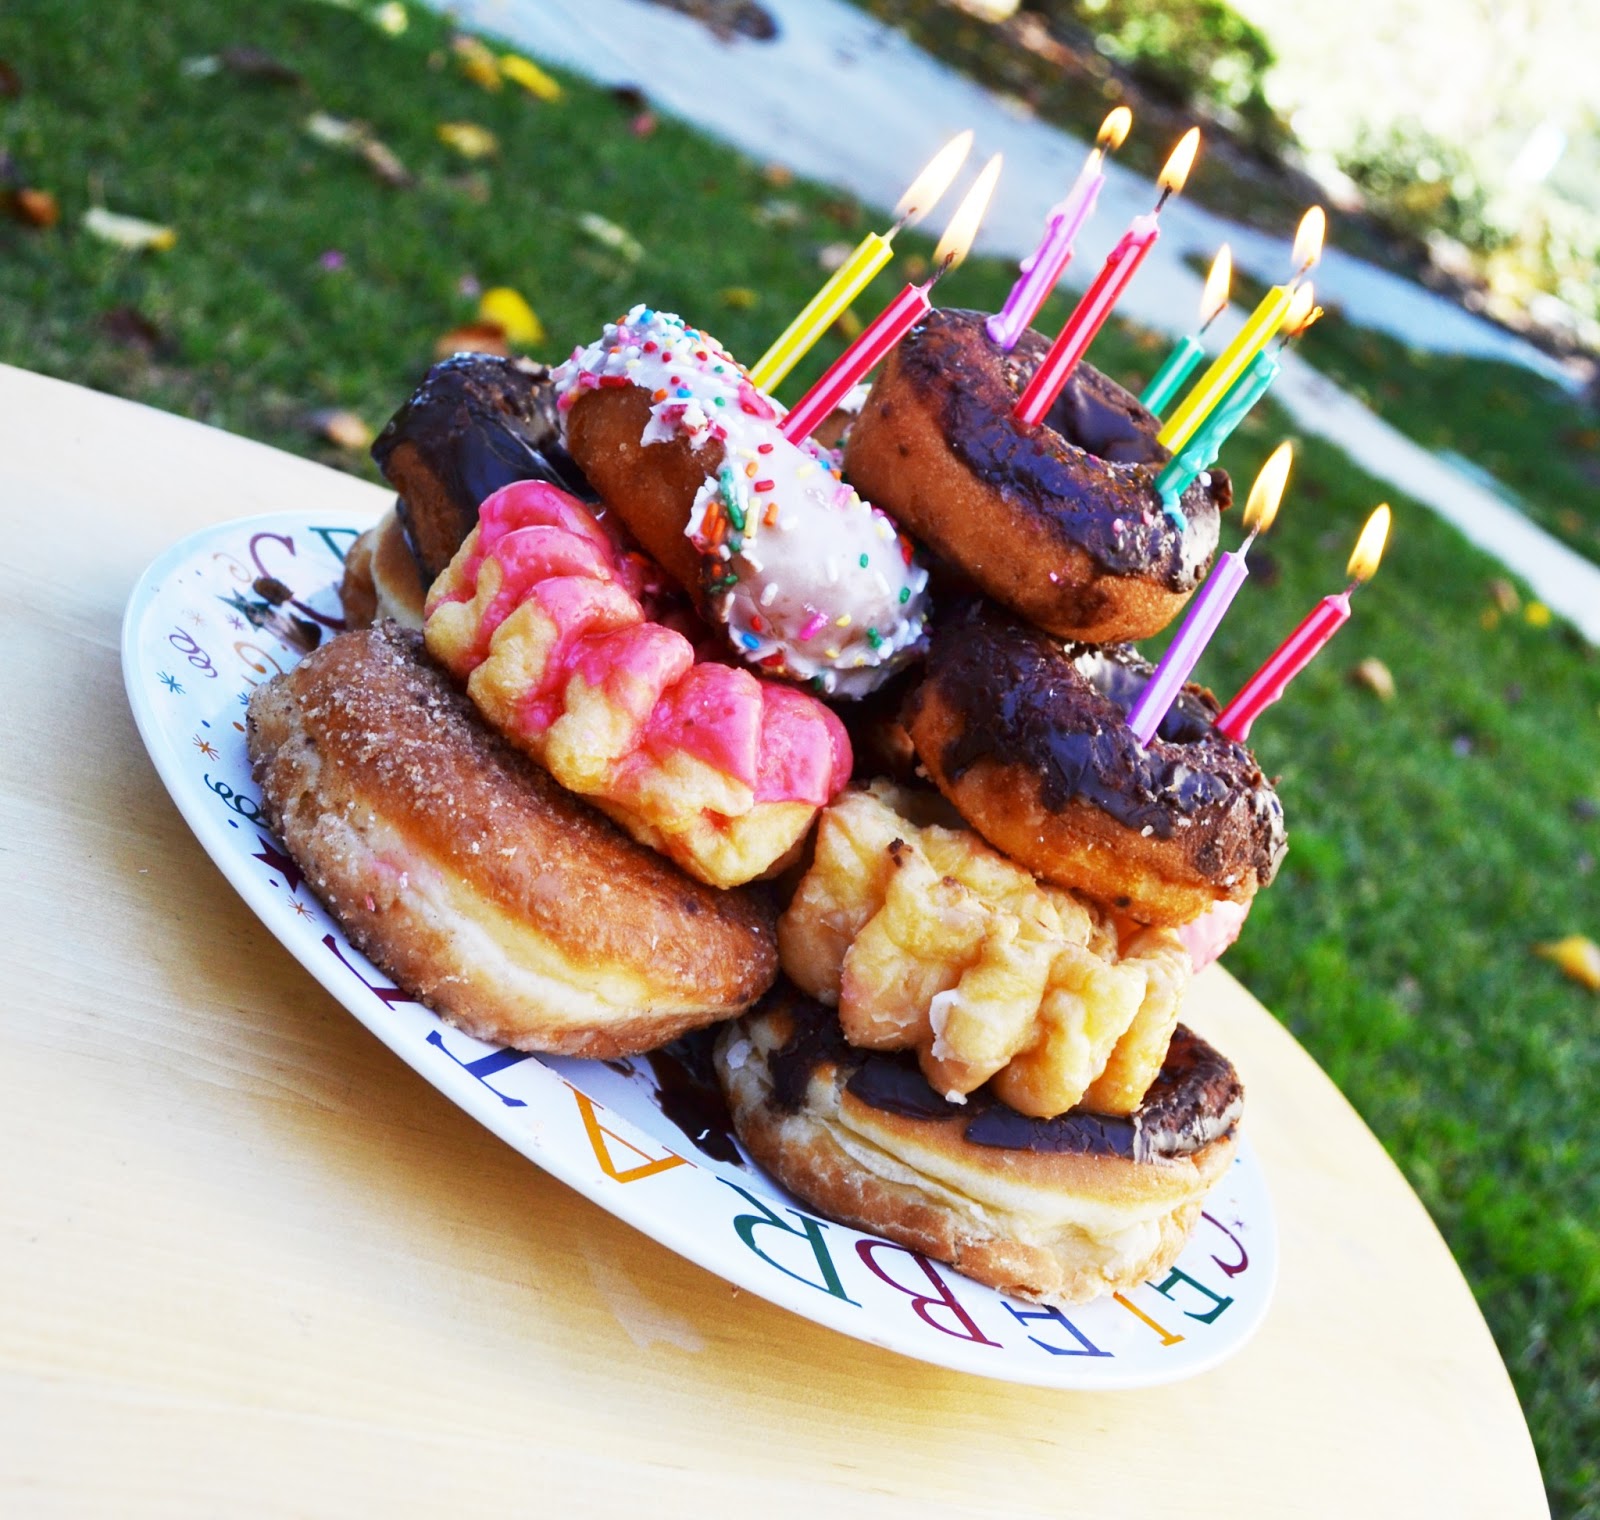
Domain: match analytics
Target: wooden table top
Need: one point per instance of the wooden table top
(251, 1263)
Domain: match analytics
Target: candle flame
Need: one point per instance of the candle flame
(1114, 129)
(1369, 547)
(1301, 305)
(925, 191)
(1177, 167)
(957, 240)
(1214, 299)
(1267, 492)
(1308, 239)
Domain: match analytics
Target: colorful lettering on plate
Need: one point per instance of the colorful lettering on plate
(485, 1066)
(1176, 1276)
(1025, 1313)
(185, 645)
(1230, 1269)
(388, 996)
(288, 543)
(925, 1304)
(598, 1135)
(275, 860)
(810, 1231)
(1168, 1337)
(328, 535)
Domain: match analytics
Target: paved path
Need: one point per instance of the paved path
(886, 105)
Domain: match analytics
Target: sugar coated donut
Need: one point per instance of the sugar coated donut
(926, 939)
(811, 582)
(540, 614)
(484, 889)
(1029, 740)
(1060, 522)
(1059, 1210)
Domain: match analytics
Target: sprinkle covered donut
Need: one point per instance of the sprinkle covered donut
(811, 582)
(540, 614)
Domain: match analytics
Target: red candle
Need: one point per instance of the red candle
(881, 334)
(896, 319)
(1297, 651)
(1092, 311)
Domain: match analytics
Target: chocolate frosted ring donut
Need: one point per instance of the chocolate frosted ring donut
(1029, 740)
(1061, 522)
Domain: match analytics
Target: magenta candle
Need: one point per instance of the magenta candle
(881, 334)
(1287, 661)
(1046, 264)
(1087, 319)
(1183, 653)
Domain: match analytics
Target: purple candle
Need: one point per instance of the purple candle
(1044, 266)
(1205, 612)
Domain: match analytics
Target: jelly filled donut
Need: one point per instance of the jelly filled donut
(1059, 1210)
(1029, 740)
(502, 901)
(811, 582)
(1061, 522)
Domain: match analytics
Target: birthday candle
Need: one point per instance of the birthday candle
(1102, 295)
(1212, 600)
(896, 319)
(1256, 333)
(1183, 359)
(852, 277)
(1297, 651)
(1043, 268)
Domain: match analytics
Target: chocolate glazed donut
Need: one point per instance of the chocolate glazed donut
(1029, 740)
(1061, 522)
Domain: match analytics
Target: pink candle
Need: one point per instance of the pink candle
(1046, 264)
(1087, 319)
(881, 334)
(1287, 661)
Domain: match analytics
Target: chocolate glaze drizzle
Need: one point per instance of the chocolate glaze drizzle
(1088, 472)
(1196, 1098)
(1060, 712)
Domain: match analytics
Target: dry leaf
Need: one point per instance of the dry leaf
(777, 213)
(37, 208)
(1504, 596)
(1576, 955)
(530, 76)
(258, 64)
(609, 235)
(10, 81)
(847, 324)
(778, 175)
(473, 338)
(334, 131)
(343, 429)
(468, 139)
(505, 308)
(130, 328)
(130, 232)
(1373, 674)
(831, 255)
(738, 297)
(629, 96)
(356, 137)
(477, 62)
(390, 18)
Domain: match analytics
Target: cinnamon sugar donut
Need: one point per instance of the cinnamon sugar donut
(1059, 1210)
(1029, 740)
(507, 905)
(1061, 522)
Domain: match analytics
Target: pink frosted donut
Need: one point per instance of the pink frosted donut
(543, 614)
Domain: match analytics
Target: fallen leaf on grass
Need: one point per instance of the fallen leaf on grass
(738, 297)
(468, 139)
(777, 213)
(130, 328)
(609, 235)
(847, 324)
(36, 208)
(356, 137)
(473, 338)
(258, 64)
(344, 429)
(506, 309)
(10, 81)
(831, 255)
(1577, 956)
(629, 96)
(1504, 596)
(530, 76)
(391, 18)
(778, 175)
(130, 232)
(1374, 675)
(477, 62)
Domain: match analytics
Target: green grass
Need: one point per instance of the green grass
(1434, 839)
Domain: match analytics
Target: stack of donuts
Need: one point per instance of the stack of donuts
(695, 733)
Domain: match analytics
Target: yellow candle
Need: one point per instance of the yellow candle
(822, 310)
(1212, 386)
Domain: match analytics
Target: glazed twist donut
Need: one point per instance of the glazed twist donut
(540, 612)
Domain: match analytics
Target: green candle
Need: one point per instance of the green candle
(1201, 451)
(1177, 368)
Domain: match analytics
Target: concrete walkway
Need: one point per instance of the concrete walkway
(842, 99)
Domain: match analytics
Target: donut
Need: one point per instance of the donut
(810, 582)
(512, 908)
(1029, 740)
(925, 939)
(1060, 522)
(1058, 1210)
(476, 423)
(540, 613)
(381, 578)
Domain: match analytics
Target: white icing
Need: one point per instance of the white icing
(819, 584)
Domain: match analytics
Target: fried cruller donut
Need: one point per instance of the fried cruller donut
(506, 904)
(1029, 740)
(1060, 522)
